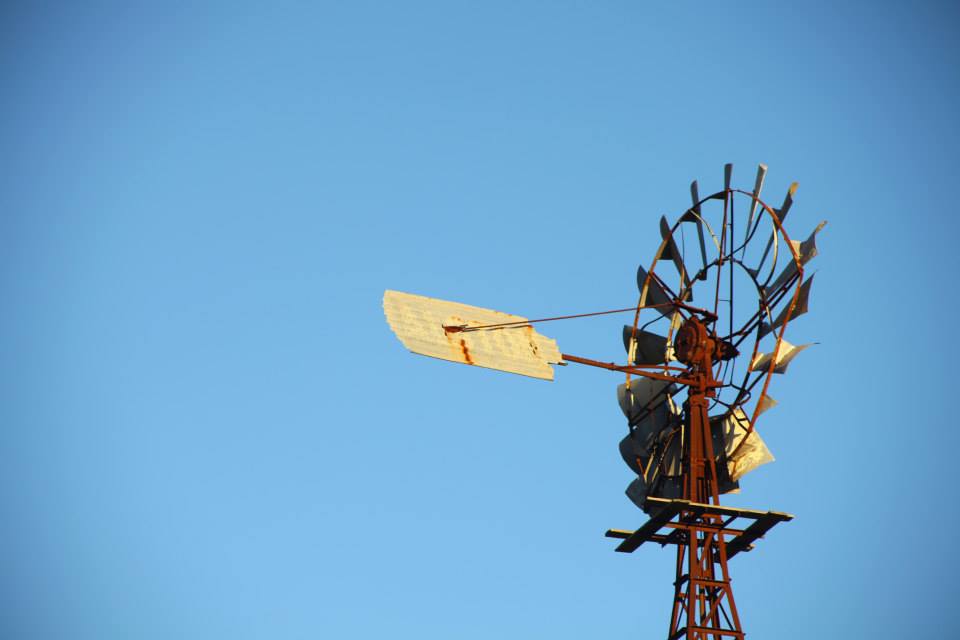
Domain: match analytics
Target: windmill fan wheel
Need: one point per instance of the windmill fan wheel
(715, 300)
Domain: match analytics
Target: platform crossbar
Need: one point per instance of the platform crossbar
(688, 512)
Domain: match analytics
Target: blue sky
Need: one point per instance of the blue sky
(209, 430)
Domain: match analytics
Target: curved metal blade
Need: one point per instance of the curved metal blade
(672, 252)
(787, 202)
(785, 356)
(693, 215)
(757, 186)
(656, 296)
(765, 404)
(660, 484)
(727, 174)
(633, 453)
(650, 426)
(644, 404)
(724, 483)
(806, 251)
(644, 394)
(668, 487)
(799, 309)
(752, 454)
(671, 463)
(781, 214)
(637, 492)
(651, 348)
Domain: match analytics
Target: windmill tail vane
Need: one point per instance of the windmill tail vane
(684, 450)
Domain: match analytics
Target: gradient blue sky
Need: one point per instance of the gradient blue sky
(209, 431)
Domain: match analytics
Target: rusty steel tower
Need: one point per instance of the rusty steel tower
(686, 450)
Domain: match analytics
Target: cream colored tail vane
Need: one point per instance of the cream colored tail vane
(442, 329)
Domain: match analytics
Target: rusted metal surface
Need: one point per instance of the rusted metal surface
(741, 537)
(423, 326)
(703, 597)
(635, 370)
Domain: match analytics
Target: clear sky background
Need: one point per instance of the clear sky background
(208, 430)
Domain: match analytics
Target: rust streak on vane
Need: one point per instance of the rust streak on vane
(424, 325)
(466, 352)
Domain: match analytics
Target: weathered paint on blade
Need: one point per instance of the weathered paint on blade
(781, 214)
(650, 348)
(757, 187)
(785, 355)
(787, 202)
(806, 251)
(643, 394)
(656, 296)
(695, 195)
(765, 404)
(695, 209)
(799, 309)
(754, 451)
(630, 450)
(672, 252)
(419, 321)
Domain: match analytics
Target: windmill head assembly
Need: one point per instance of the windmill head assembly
(706, 341)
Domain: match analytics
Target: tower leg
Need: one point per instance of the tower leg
(703, 605)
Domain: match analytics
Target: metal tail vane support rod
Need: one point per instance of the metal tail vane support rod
(684, 451)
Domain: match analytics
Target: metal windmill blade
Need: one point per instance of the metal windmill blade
(806, 250)
(785, 355)
(645, 403)
(743, 446)
(757, 188)
(721, 445)
(656, 296)
(635, 453)
(786, 315)
(765, 403)
(672, 252)
(651, 348)
(781, 216)
(693, 215)
(661, 475)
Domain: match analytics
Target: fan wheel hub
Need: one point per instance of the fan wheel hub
(696, 345)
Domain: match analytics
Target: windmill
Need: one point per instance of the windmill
(714, 305)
